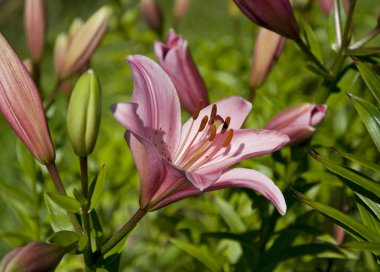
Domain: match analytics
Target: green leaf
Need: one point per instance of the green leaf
(65, 202)
(230, 216)
(200, 253)
(119, 246)
(370, 212)
(373, 247)
(371, 79)
(352, 226)
(79, 196)
(364, 52)
(64, 238)
(97, 187)
(82, 243)
(312, 41)
(59, 220)
(355, 181)
(370, 116)
(359, 160)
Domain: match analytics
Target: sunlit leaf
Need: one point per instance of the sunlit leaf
(229, 215)
(373, 247)
(371, 79)
(59, 220)
(64, 238)
(65, 202)
(97, 187)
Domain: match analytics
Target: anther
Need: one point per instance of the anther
(228, 139)
(226, 124)
(198, 108)
(212, 133)
(213, 114)
(203, 123)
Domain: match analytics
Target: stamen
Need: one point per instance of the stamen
(213, 114)
(198, 108)
(212, 133)
(228, 139)
(226, 124)
(203, 123)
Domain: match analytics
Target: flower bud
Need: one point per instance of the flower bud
(34, 19)
(60, 50)
(268, 47)
(275, 15)
(180, 9)
(84, 42)
(175, 58)
(298, 122)
(21, 105)
(33, 257)
(152, 14)
(74, 27)
(83, 117)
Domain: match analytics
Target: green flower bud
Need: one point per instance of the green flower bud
(83, 117)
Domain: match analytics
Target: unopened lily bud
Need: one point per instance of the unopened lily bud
(84, 42)
(298, 122)
(175, 58)
(33, 257)
(21, 105)
(84, 112)
(268, 47)
(152, 14)
(275, 15)
(180, 8)
(34, 19)
(74, 27)
(60, 50)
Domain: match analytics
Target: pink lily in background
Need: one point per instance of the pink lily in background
(298, 122)
(34, 20)
(175, 161)
(175, 58)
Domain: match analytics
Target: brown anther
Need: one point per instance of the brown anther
(203, 123)
(213, 114)
(197, 109)
(212, 133)
(228, 139)
(226, 124)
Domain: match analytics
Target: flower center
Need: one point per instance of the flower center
(199, 148)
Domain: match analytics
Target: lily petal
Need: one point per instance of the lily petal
(126, 114)
(237, 177)
(159, 108)
(246, 143)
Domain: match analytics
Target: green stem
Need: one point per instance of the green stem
(371, 35)
(306, 49)
(123, 231)
(85, 215)
(54, 174)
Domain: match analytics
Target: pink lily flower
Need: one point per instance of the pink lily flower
(176, 161)
(175, 58)
(298, 122)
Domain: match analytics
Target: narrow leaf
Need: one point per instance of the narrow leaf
(370, 78)
(352, 226)
(65, 202)
(373, 247)
(200, 253)
(370, 116)
(97, 187)
(59, 220)
(369, 212)
(359, 160)
(355, 181)
(64, 238)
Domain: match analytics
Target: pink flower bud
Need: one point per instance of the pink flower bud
(84, 42)
(268, 47)
(36, 256)
(21, 105)
(175, 58)
(60, 50)
(298, 122)
(152, 14)
(35, 27)
(327, 5)
(180, 8)
(275, 15)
